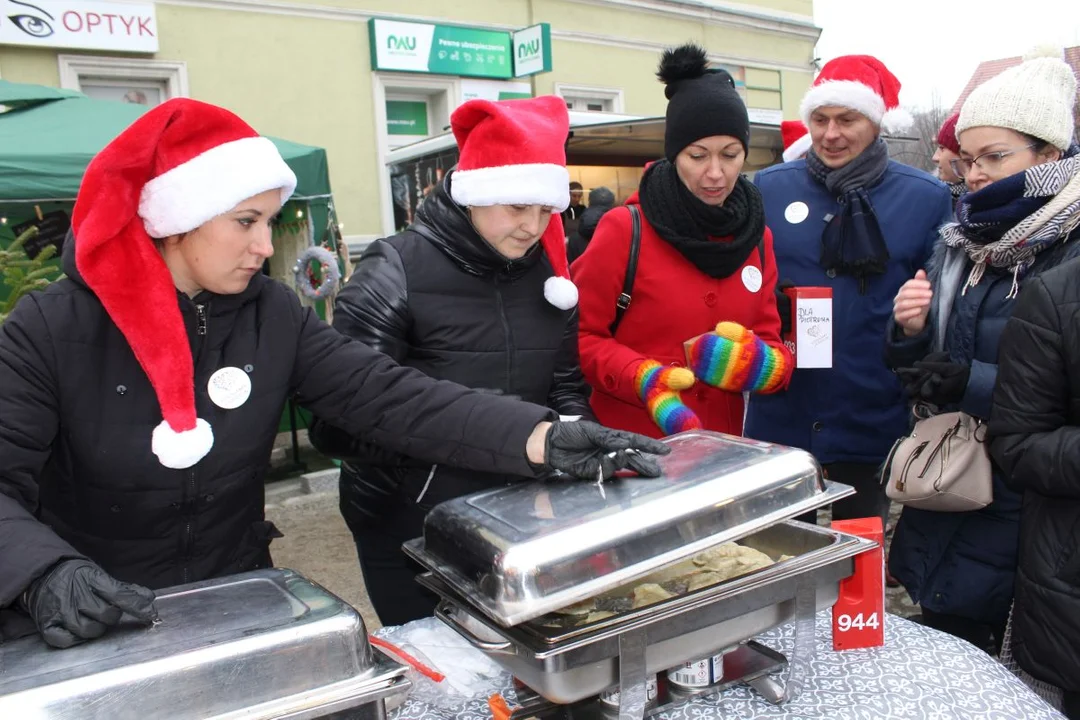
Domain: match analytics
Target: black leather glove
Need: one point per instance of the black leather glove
(584, 449)
(77, 601)
(783, 307)
(936, 379)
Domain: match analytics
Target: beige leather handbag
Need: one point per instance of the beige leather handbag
(942, 465)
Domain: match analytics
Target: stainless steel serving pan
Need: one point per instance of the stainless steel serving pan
(266, 644)
(567, 666)
(519, 552)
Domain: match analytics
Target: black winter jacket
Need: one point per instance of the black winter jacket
(438, 298)
(77, 475)
(1035, 431)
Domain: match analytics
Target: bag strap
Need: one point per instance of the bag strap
(623, 301)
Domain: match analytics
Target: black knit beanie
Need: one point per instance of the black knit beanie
(702, 101)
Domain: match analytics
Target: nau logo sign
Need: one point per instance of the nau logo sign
(532, 50)
(408, 42)
(528, 50)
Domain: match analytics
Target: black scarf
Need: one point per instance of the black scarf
(852, 243)
(690, 226)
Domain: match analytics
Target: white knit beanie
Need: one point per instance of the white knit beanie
(1035, 97)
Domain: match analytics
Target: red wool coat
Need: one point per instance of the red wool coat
(673, 301)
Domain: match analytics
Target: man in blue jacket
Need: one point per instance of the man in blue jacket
(848, 218)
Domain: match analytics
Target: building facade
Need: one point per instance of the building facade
(360, 78)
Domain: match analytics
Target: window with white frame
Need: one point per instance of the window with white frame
(133, 80)
(584, 98)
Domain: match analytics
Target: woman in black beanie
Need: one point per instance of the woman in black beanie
(705, 272)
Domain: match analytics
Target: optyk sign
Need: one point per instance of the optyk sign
(84, 24)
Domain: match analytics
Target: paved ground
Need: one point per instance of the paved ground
(318, 544)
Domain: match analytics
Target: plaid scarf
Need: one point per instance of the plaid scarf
(852, 242)
(1009, 222)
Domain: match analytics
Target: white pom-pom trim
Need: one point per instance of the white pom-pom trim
(179, 450)
(1039, 51)
(897, 120)
(560, 292)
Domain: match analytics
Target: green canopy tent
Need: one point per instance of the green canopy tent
(48, 136)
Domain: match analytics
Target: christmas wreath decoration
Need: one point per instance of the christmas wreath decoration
(304, 274)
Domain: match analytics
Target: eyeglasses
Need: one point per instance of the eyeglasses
(987, 162)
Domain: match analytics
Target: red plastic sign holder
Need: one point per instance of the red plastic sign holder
(859, 613)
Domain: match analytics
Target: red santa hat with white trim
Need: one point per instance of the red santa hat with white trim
(861, 83)
(513, 152)
(796, 139)
(178, 166)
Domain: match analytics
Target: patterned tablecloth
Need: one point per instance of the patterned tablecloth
(919, 674)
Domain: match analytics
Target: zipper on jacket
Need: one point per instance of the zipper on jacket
(200, 313)
(189, 535)
(509, 338)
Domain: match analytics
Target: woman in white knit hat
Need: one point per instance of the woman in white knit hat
(1017, 221)
(139, 396)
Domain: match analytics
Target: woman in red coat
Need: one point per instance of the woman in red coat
(702, 327)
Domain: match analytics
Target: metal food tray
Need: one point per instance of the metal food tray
(585, 661)
(519, 552)
(265, 644)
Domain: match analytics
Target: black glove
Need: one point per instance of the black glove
(936, 379)
(76, 601)
(783, 307)
(583, 449)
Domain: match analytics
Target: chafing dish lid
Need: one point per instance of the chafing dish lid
(262, 644)
(524, 550)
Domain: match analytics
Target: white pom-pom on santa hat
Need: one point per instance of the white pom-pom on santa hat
(513, 152)
(861, 83)
(179, 450)
(178, 166)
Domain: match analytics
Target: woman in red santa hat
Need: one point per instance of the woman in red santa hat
(475, 291)
(675, 331)
(140, 395)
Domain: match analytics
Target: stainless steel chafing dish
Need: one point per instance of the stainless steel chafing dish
(266, 644)
(504, 559)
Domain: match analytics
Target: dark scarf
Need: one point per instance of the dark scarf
(692, 227)
(852, 243)
(1007, 223)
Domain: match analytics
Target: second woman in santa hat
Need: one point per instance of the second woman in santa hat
(475, 291)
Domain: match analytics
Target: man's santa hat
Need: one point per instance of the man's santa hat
(513, 152)
(796, 139)
(861, 83)
(179, 165)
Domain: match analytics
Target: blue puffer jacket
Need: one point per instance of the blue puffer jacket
(854, 411)
(964, 563)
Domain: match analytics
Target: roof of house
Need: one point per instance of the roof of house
(991, 68)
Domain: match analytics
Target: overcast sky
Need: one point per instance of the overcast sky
(934, 46)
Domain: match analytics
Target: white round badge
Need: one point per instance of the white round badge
(796, 212)
(751, 278)
(229, 388)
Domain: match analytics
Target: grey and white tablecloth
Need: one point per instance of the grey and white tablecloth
(919, 674)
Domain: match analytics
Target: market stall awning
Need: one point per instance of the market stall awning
(49, 136)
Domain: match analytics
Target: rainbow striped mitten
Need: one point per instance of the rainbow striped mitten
(734, 359)
(658, 387)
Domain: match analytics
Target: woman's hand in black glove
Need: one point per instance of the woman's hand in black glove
(936, 379)
(77, 601)
(584, 450)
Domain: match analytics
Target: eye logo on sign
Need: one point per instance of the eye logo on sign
(33, 25)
